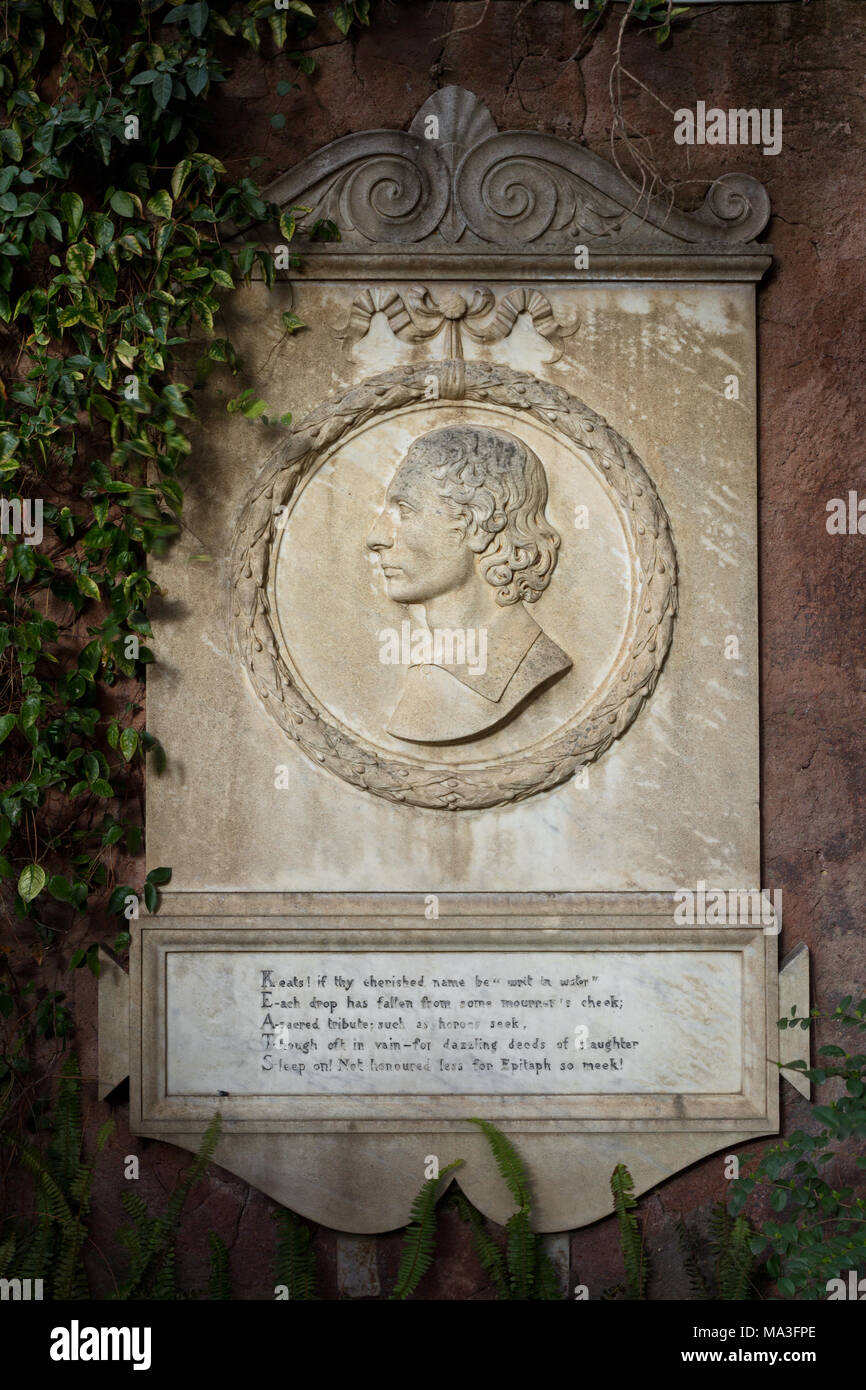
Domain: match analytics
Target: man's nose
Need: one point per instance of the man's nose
(378, 539)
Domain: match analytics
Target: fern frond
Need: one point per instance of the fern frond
(151, 1239)
(68, 1125)
(697, 1282)
(36, 1164)
(177, 1201)
(419, 1240)
(735, 1262)
(295, 1263)
(218, 1286)
(522, 1254)
(164, 1286)
(488, 1252)
(631, 1243)
(508, 1162)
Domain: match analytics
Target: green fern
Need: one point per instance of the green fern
(508, 1162)
(489, 1255)
(296, 1265)
(524, 1272)
(420, 1238)
(631, 1242)
(51, 1246)
(734, 1261)
(219, 1286)
(151, 1239)
(697, 1283)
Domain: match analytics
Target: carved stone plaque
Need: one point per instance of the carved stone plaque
(461, 675)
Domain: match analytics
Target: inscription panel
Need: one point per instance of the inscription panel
(315, 1022)
(452, 1023)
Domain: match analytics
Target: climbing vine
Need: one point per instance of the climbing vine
(114, 223)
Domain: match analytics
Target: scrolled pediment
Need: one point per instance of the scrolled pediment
(454, 182)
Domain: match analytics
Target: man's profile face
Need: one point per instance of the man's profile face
(419, 542)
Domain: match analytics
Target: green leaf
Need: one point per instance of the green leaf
(198, 18)
(31, 882)
(72, 208)
(80, 258)
(162, 89)
(103, 788)
(60, 889)
(87, 586)
(197, 80)
(30, 711)
(128, 743)
(7, 724)
(122, 204)
(159, 876)
(180, 176)
(10, 144)
(151, 897)
(160, 204)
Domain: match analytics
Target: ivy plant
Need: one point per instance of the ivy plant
(114, 262)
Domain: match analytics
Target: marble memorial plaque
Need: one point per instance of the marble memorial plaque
(464, 693)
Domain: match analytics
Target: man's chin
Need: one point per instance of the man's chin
(401, 592)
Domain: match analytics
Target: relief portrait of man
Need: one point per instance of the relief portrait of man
(463, 536)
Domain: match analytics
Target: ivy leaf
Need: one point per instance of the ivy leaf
(122, 204)
(160, 204)
(159, 876)
(87, 586)
(7, 724)
(343, 18)
(80, 259)
(30, 711)
(162, 89)
(180, 176)
(31, 882)
(72, 208)
(60, 889)
(10, 144)
(197, 79)
(151, 897)
(128, 743)
(198, 18)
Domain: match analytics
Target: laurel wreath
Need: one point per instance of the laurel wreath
(410, 780)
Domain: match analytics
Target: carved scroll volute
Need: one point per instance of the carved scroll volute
(523, 186)
(401, 195)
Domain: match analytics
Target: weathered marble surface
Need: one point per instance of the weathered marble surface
(674, 800)
(452, 1023)
(290, 818)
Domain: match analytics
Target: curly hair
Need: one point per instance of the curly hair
(498, 487)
